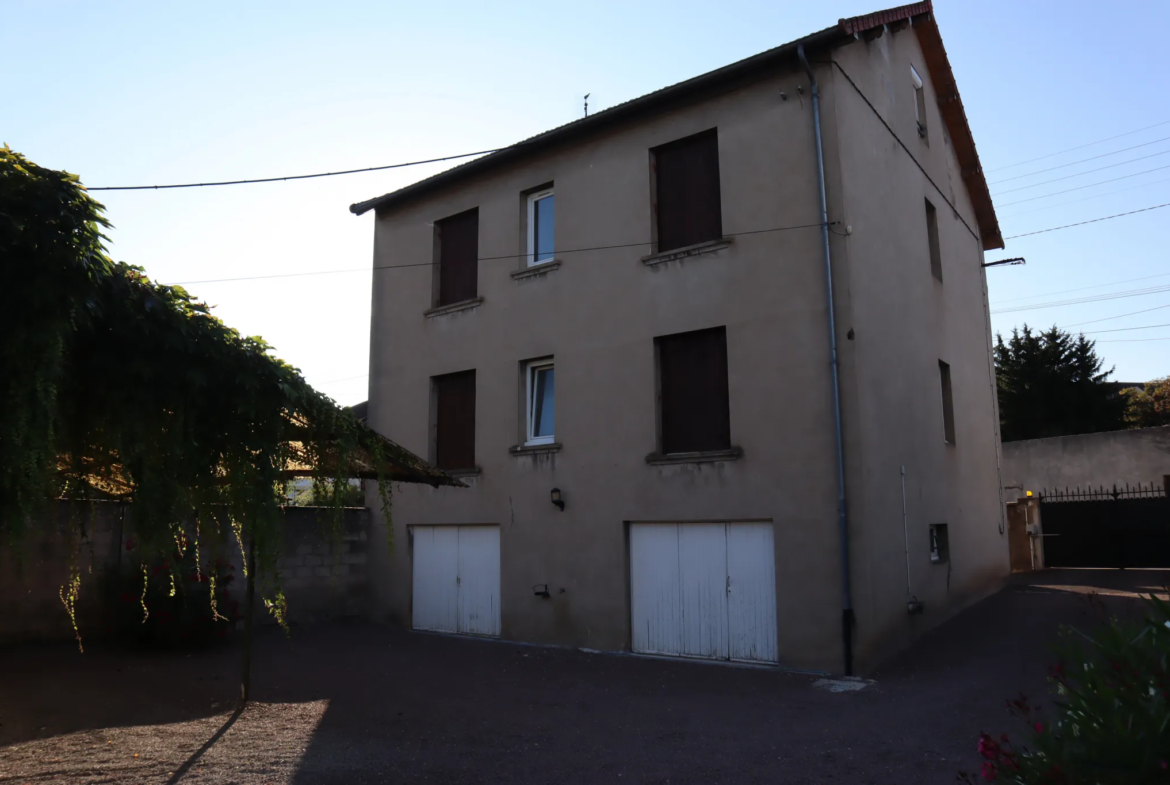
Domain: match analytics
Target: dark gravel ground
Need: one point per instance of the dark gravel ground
(365, 704)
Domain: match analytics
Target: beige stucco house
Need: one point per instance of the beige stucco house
(618, 333)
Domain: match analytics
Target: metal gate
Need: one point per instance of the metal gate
(1127, 527)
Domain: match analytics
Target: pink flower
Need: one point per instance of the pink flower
(1163, 764)
(1039, 727)
(988, 772)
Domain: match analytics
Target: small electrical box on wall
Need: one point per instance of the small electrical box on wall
(940, 552)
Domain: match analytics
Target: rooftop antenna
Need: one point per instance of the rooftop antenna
(587, 103)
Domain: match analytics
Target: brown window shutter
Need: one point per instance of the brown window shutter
(695, 410)
(459, 257)
(455, 420)
(687, 180)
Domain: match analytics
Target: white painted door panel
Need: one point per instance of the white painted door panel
(479, 580)
(655, 606)
(703, 590)
(751, 592)
(702, 565)
(436, 559)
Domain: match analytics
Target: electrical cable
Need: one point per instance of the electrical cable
(902, 144)
(1087, 171)
(1083, 160)
(1090, 185)
(294, 176)
(482, 258)
(1125, 329)
(1085, 198)
(1079, 289)
(1132, 340)
(1079, 147)
(1091, 221)
(1119, 316)
(1083, 300)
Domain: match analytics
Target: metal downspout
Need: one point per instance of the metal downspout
(842, 517)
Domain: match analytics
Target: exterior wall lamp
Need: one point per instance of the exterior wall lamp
(557, 500)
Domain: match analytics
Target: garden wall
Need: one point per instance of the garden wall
(320, 582)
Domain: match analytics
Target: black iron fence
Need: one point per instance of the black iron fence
(1106, 527)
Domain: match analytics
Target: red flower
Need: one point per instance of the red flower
(988, 772)
(131, 544)
(1039, 727)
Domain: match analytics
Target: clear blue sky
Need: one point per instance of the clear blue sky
(143, 93)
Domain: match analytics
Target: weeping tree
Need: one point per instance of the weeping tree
(114, 386)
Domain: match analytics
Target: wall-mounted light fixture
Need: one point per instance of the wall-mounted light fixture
(557, 500)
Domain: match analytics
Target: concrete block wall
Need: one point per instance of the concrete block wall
(324, 575)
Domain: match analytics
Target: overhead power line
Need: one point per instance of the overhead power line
(291, 177)
(1089, 185)
(1119, 316)
(1082, 161)
(1079, 147)
(1132, 340)
(1126, 329)
(1081, 174)
(1090, 299)
(1086, 198)
(1079, 289)
(557, 252)
(1091, 221)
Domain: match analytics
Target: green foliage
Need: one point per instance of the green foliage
(187, 602)
(113, 384)
(1051, 384)
(52, 255)
(1111, 711)
(1148, 406)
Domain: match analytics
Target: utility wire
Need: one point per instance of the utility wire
(1090, 299)
(1079, 147)
(291, 177)
(1090, 185)
(1081, 174)
(1079, 289)
(608, 247)
(1132, 340)
(1086, 198)
(1125, 329)
(1083, 160)
(1118, 316)
(559, 252)
(1092, 221)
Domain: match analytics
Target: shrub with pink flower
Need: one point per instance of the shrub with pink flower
(1110, 718)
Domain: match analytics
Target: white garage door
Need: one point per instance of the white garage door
(703, 590)
(457, 579)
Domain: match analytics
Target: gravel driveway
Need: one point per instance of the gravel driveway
(358, 704)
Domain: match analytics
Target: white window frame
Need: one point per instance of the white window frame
(532, 200)
(530, 370)
(919, 101)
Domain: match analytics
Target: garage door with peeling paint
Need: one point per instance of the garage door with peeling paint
(456, 579)
(703, 590)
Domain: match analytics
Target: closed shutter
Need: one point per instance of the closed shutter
(455, 420)
(459, 257)
(687, 178)
(694, 406)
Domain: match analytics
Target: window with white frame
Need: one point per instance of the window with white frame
(919, 102)
(541, 401)
(541, 215)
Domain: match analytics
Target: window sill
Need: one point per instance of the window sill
(464, 305)
(474, 471)
(535, 449)
(698, 249)
(537, 269)
(706, 456)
